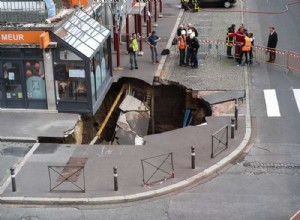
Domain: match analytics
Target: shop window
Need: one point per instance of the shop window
(33, 53)
(70, 82)
(12, 80)
(10, 53)
(35, 79)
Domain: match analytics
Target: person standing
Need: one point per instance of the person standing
(230, 41)
(181, 46)
(191, 27)
(179, 29)
(246, 47)
(188, 48)
(133, 49)
(194, 44)
(252, 38)
(239, 39)
(272, 43)
(152, 41)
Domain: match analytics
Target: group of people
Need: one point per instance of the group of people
(134, 48)
(188, 45)
(243, 42)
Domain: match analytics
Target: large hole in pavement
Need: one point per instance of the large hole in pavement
(170, 109)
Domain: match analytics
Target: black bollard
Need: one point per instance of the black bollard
(13, 179)
(232, 127)
(236, 114)
(116, 187)
(193, 157)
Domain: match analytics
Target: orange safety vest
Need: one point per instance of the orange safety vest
(247, 46)
(182, 42)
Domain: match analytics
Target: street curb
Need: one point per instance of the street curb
(154, 193)
(168, 46)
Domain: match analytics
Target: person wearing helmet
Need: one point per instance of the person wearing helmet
(181, 46)
(194, 44)
(188, 48)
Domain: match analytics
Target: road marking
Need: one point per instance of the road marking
(297, 97)
(271, 103)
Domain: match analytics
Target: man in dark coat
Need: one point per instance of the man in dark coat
(230, 41)
(272, 43)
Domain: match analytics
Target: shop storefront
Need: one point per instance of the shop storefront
(72, 74)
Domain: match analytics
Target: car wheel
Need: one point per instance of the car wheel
(227, 4)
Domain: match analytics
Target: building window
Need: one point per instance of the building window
(70, 81)
(35, 79)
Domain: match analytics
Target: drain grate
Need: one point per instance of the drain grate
(271, 165)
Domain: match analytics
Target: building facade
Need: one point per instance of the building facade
(61, 63)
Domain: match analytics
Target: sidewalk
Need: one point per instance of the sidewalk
(33, 179)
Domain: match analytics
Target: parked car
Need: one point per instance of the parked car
(225, 3)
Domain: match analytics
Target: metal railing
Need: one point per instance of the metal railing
(160, 168)
(22, 11)
(286, 59)
(221, 137)
(66, 174)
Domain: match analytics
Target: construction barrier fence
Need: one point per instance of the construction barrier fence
(286, 59)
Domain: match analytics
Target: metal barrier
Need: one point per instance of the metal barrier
(286, 59)
(219, 137)
(164, 165)
(66, 174)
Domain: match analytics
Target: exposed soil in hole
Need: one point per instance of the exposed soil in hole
(170, 102)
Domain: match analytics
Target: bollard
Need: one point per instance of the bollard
(236, 114)
(13, 179)
(232, 127)
(116, 187)
(193, 157)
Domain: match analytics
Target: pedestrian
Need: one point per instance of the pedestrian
(246, 47)
(152, 41)
(180, 28)
(272, 43)
(230, 41)
(191, 27)
(194, 49)
(188, 48)
(239, 39)
(181, 46)
(133, 49)
(252, 38)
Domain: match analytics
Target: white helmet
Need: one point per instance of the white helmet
(183, 32)
(189, 31)
(192, 35)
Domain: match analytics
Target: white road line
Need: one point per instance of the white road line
(271, 103)
(297, 97)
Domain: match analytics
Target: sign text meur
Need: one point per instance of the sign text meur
(23, 37)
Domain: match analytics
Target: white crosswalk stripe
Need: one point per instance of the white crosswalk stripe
(297, 97)
(271, 103)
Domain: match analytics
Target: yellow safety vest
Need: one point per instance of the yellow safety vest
(247, 46)
(134, 45)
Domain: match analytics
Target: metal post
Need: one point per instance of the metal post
(13, 179)
(114, 34)
(136, 28)
(116, 187)
(193, 157)
(155, 11)
(160, 7)
(118, 49)
(127, 31)
(140, 29)
(236, 114)
(145, 14)
(232, 127)
(212, 147)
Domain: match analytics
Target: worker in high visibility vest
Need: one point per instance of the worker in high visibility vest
(246, 47)
(230, 41)
(181, 46)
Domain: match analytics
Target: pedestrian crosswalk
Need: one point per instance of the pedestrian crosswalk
(272, 105)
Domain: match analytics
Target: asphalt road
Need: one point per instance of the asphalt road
(262, 185)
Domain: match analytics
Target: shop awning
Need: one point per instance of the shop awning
(83, 33)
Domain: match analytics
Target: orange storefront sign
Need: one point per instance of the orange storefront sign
(20, 37)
